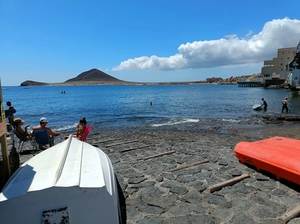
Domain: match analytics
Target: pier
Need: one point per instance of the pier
(250, 84)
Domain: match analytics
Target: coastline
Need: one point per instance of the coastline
(99, 83)
(155, 194)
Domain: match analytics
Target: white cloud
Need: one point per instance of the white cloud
(228, 51)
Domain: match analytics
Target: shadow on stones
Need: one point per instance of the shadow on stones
(122, 201)
(288, 183)
(26, 152)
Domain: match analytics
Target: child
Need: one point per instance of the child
(81, 126)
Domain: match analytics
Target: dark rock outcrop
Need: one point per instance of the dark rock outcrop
(93, 75)
(33, 83)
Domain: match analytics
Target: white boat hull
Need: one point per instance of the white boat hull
(71, 181)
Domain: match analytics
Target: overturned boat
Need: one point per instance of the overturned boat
(72, 182)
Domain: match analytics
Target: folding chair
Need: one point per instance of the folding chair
(42, 137)
(22, 141)
(86, 133)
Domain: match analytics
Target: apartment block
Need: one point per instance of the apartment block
(276, 68)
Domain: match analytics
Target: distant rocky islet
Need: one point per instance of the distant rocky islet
(91, 77)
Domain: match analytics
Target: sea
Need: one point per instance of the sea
(145, 106)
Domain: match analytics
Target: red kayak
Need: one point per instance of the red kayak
(277, 155)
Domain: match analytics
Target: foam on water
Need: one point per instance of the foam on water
(170, 123)
(231, 120)
(65, 128)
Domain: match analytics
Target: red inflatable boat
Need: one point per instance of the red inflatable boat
(277, 155)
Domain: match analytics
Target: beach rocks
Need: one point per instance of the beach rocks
(156, 194)
(164, 196)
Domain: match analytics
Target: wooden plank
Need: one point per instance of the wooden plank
(4, 147)
(227, 183)
(290, 214)
(120, 143)
(3, 129)
(189, 165)
(160, 154)
(108, 140)
(138, 147)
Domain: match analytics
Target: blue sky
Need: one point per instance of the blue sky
(142, 41)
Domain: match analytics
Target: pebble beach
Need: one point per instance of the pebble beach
(166, 174)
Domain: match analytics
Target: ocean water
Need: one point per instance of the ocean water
(116, 107)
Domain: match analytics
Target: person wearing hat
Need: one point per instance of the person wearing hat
(284, 105)
(51, 134)
(24, 135)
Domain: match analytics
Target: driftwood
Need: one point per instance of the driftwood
(120, 143)
(189, 165)
(108, 140)
(227, 183)
(290, 214)
(160, 154)
(138, 147)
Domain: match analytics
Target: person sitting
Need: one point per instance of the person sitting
(51, 134)
(81, 127)
(24, 135)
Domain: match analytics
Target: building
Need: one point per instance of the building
(293, 68)
(214, 80)
(254, 80)
(276, 69)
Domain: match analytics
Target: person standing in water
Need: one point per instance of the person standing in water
(264, 103)
(284, 105)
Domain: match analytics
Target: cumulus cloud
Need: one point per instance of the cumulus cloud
(228, 51)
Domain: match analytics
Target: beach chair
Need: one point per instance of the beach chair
(22, 141)
(86, 133)
(42, 137)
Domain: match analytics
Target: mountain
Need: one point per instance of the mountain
(91, 77)
(33, 83)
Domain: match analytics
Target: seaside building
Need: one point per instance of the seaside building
(274, 71)
(293, 68)
(254, 80)
(214, 80)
